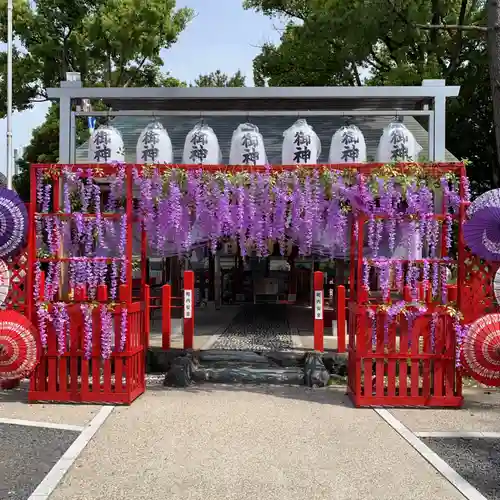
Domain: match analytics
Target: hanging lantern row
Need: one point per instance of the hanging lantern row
(301, 145)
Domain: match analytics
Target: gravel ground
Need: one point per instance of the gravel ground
(221, 442)
(476, 459)
(26, 455)
(260, 327)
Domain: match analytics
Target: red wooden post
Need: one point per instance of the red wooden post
(147, 321)
(452, 293)
(30, 299)
(363, 295)
(124, 292)
(318, 312)
(166, 316)
(130, 222)
(341, 340)
(41, 287)
(407, 293)
(102, 293)
(144, 261)
(421, 291)
(188, 309)
(427, 291)
(80, 293)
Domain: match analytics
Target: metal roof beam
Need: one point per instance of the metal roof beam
(429, 89)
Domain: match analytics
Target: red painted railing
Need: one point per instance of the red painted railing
(71, 377)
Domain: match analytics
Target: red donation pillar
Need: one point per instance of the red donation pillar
(318, 312)
(188, 309)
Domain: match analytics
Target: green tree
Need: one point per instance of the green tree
(109, 42)
(395, 42)
(219, 79)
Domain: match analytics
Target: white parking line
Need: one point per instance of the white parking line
(47, 425)
(463, 486)
(55, 475)
(458, 434)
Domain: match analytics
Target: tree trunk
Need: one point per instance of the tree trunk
(494, 60)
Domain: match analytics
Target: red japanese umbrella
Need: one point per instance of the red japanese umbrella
(481, 350)
(19, 349)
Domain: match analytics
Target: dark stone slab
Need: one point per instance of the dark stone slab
(26, 456)
(476, 459)
(249, 375)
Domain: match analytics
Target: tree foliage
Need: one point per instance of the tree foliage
(392, 42)
(109, 42)
(219, 79)
(330, 41)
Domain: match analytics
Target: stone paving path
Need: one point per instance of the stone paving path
(259, 327)
(249, 443)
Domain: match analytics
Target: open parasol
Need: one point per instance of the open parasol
(496, 285)
(482, 233)
(481, 350)
(19, 349)
(13, 222)
(486, 200)
(4, 281)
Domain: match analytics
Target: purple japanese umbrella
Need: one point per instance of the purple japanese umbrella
(482, 233)
(13, 222)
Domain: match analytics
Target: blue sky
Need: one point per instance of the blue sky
(222, 36)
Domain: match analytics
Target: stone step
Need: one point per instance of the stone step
(188, 368)
(247, 374)
(216, 356)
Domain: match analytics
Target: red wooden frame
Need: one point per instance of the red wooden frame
(70, 377)
(443, 388)
(366, 389)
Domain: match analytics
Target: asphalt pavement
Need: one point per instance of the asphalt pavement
(477, 460)
(26, 455)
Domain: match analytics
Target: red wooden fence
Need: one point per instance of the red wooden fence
(412, 365)
(71, 377)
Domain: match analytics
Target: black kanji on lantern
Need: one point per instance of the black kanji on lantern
(101, 141)
(101, 137)
(150, 137)
(249, 140)
(350, 151)
(399, 150)
(149, 151)
(198, 138)
(198, 150)
(302, 141)
(250, 154)
(149, 154)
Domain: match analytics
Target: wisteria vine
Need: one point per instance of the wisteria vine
(406, 242)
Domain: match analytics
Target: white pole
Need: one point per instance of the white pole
(10, 151)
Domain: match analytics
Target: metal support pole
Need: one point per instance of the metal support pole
(10, 151)
(65, 130)
(439, 129)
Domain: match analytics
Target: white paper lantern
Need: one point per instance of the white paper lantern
(106, 145)
(348, 146)
(247, 146)
(201, 147)
(301, 145)
(154, 145)
(397, 144)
